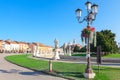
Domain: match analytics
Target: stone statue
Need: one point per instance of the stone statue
(65, 48)
(56, 43)
(35, 48)
(56, 54)
(74, 41)
(69, 49)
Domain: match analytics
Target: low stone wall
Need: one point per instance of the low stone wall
(111, 60)
(45, 55)
(93, 59)
(71, 57)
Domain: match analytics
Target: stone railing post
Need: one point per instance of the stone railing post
(50, 65)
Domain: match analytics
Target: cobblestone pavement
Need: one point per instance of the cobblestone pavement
(9, 71)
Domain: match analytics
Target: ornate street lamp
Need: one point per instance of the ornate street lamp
(88, 34)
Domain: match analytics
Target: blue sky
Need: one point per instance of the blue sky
(44, 20)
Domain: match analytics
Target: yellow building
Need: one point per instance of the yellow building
(43, 50)
(23, 47)
(10, 46)
(1, 44)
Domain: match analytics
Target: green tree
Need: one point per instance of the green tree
(76, 49)
(106, 39)
(83, 49)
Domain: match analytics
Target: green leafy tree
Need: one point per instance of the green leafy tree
(83, 49)
(106, 39)
(76, 49)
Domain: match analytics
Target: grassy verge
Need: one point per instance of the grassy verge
(71, 70)
(112, 56)
(79, 54)
(83, 54)
(93, 55)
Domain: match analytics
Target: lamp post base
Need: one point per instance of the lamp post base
(89, 75)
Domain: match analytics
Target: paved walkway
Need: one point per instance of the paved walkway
(9, 71)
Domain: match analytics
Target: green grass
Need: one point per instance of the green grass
(92, 55)
(112, 56)
(79, 54)
(82, 54)
(71, 70)
(28, 62)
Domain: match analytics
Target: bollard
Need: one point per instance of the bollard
(50, 65)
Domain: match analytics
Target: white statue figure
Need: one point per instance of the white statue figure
(37, 51)
(69, 49)
(56, 43)
(34, 54)
(65, 48)
(56, 54)
(74, 41)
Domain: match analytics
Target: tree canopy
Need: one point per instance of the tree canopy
(106, 39)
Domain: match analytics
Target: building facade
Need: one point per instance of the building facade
(9, 46)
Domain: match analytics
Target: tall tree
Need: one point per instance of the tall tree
(76, 49)
(106, 39)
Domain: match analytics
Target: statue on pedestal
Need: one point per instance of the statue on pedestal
(34, 54)
(69, 49)
(65, 48)
(56, 43)
(36, 51)
(56, 56)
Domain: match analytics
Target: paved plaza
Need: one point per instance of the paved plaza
(9, 71)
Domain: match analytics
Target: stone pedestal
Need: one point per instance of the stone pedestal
(34, 54)
(89, 75)
(56, 55)
(50, 65)
(69, 53)
(37, 53)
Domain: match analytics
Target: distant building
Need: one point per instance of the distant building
(9, 46)
(42, 48)
(1, 46)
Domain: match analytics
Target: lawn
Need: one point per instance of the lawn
(112, 56)
(79, 54)
(92, 55)
(83, 54)
(71, 70)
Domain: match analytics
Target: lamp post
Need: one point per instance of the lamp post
(92, 10)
